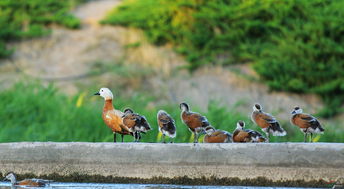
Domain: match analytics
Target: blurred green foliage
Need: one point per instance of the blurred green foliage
(295, 45)
(21, 19)
(33, 112)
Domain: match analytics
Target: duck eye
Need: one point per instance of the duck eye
(102, 90)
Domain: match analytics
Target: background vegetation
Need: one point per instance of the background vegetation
(295, 45)
(22, 19)
(33, 112)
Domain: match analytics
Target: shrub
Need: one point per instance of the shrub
(295, 45)
(21, 19)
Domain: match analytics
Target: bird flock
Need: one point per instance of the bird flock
(130, 123)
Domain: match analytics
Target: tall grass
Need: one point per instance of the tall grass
(32, 112)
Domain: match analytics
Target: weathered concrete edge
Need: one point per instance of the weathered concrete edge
(282, 164)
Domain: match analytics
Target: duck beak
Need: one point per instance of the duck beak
(97, 93)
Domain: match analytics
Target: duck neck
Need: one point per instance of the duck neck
(108, 105)
(13, 180)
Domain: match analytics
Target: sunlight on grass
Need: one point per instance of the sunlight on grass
(34, 112)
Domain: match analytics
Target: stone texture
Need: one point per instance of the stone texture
(274, 161)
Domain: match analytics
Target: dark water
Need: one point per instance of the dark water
(7, 185)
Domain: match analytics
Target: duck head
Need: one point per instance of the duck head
(240, 125)
(105, 93)
(11, 177)
(209, 130)
(297, 110)
(257, 107)
(184, 107)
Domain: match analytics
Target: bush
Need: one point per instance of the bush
(295, 45)
(21, 19)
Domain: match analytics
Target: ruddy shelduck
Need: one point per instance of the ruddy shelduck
(216, 136)
(113, 118)
(27, 182)
(167, 126)
(195, 121)
(266, 122)
(306, 122)
(136, 123)
(246, 135)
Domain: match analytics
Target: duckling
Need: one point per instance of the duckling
(216, 136)
(112, 117)
(166, 125)
(266, 122)
(306, 122)
(195, 121)
(136, 123)
(27, 182)
(246, 135)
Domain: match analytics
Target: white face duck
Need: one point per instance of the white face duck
(240, 125)
(257, 107)
(297, 110)
(105, 93)
(11, 177)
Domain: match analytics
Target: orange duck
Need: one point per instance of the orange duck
(195, 121)
(306, 122)
(136, 123)
(111, 116)
(266, 122)
(246, 135)
(216, 136)
(27, 182)
(166, 125)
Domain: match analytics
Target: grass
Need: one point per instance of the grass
(33, 112)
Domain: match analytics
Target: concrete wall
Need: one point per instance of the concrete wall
(273, 161)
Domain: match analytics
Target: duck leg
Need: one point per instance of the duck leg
(195, 137)
(305, 137)
(311, 137)
(122, 137)
(267, 137)
(163, 138)
(114, 137)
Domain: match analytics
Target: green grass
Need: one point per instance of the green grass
(33, 112)
(21, 19)
(295, 45)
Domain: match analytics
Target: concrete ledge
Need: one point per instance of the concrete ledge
(274, 162)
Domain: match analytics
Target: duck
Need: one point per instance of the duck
(193, 120)
(266, 122)
(216, 136)
(307, 123)
(246, 135)
(27, 182)
(136, 123)
(113, 118)
(167, 126)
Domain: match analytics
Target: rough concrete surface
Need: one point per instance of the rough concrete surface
(273, 161)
